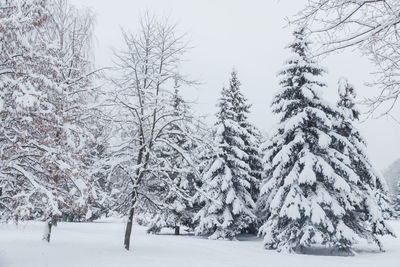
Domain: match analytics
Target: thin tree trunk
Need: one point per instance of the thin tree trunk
(128, 230)
(47, 232)
(129, 224)
(177, 230)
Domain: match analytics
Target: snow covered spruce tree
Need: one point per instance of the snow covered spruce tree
(41, 171)
(175, 202)
(252, 141)
(147, 71)
(228, 205)
(396, 201)
(251, 135)
(355, 147)
(310, 193)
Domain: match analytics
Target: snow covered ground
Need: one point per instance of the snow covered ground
(99, 244)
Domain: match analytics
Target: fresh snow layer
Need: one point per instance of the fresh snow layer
(99, 244)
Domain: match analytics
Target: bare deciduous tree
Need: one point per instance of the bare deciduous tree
(139, 105)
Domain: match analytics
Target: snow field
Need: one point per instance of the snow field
(99, 244)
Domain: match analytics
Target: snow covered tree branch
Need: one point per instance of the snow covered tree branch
(372, 26)
(147, 72)
(44, 46)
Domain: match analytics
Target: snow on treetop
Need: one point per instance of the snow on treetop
(346, 89)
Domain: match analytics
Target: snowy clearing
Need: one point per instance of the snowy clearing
(99, 244)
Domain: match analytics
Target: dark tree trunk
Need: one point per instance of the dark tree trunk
(129, 224)
(177, 230)
(47, 232)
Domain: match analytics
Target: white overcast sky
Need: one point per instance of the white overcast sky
(250, 36)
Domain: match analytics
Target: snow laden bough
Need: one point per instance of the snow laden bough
(312, 194)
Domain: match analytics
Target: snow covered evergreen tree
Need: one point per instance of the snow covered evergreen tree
(396, 201)
(175, 196)
(228, 205)
(355, 147)
(251, 136)
(392, 177)
(310, 194)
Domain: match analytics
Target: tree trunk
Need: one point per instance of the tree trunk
(128, 230)
(47, 232)
(177, 230)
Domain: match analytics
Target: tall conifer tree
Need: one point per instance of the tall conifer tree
(311, 195)
(251, 136)
(353, 144)
(228, 206)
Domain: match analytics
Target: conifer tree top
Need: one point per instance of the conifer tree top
(299, 79)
